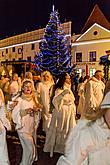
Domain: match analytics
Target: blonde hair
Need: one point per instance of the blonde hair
(28, 75)
(100, 112)
(47, 73)
(26, 81)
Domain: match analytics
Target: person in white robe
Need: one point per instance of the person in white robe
(89, 142)
(43, 90)
(4, 124)
(28, 75)
(63, 116)
(26, 117)
(94, 93)
(81, 91)
(15, 85)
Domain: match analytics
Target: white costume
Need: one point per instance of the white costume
(14, 87)
(94, 92)
(43, 89)
(81, 90)
(63, 119)
(4, 122)
(26, 127)
(89, 142)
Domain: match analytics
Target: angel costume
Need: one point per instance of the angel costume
(4, 122)
(88, 142)
(63, 119)
(94, 92)
(81, 90)
(26, 127)
(43, 89)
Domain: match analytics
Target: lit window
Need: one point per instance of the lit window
(20, 50)
(78, 57)
(92, 56)
(91, 72)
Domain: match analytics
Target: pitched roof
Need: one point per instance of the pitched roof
(96, 16)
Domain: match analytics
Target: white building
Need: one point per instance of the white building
(91, 44)
(23, 47)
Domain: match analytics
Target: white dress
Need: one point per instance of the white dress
(81, 88)
(88, 144)
(94, 92)
(26, 127)
(4, 122)
(43, 91)
(63, 119)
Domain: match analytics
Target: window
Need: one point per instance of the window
(20, 50)
(29, 58)
(6, 51)
(13, 49)
(32, 48)
(78, 57)
(92, 56)
(79, 72)
(91, 71)
(95, 32)
(2, 54)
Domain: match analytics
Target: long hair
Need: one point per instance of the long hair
(61, 81)
(47, 73)
(100, 112)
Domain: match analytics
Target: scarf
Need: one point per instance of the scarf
(27, 97)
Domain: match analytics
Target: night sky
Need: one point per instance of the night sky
(19, 16)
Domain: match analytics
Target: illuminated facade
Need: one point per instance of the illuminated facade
(91, 44)
(24, 46)
(89, 47)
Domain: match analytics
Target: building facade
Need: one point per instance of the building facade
(24, 47)
(89, 47)
(91, 44)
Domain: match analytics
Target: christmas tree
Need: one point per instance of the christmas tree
(54, 54)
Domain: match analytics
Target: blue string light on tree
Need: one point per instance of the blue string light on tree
(54, 54)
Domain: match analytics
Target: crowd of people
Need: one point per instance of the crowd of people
(80, 133)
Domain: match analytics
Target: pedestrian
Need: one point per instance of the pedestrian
(43, 90)
(93, 93)
(26, 117)
(81, 93)
(89, 142)
(4, 124)
(63, 116)
(28, 75)
(15, 85)
(13, 92)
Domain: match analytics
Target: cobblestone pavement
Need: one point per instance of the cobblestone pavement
(15, 151)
